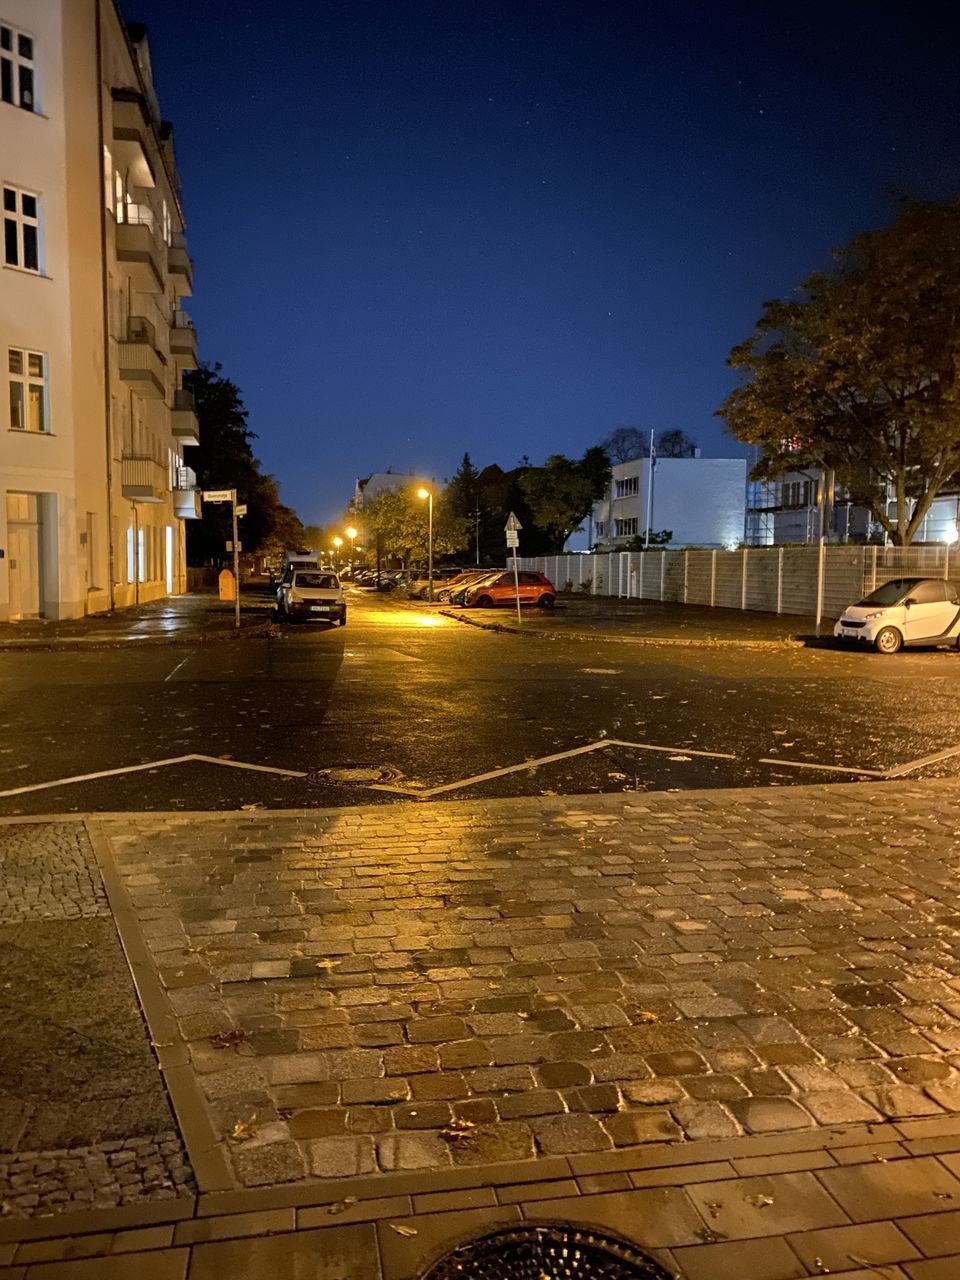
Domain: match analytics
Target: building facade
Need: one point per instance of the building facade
(93, 335)
(700, 500)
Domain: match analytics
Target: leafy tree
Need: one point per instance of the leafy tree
(658, 538)
(675, 444)
(224, 459)
(562, 492)
(859, 372)
(625, 444)
(400, 519)
(463, 490)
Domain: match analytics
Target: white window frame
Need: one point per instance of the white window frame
(622, 527)
(17, 62)
(628, 487)
(26, 380)
(21, 220)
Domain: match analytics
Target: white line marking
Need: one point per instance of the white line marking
(899, 770)
(830, 768)
(673, 751)
(151, 764)
(176, 669)
(256, 768)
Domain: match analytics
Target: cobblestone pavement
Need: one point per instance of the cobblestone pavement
(84, 1119)
(463, 984)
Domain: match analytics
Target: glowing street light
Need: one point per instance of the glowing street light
(426, 493)
(337, 543)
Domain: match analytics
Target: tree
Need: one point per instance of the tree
(562, 492)
(463, 490)
(859, 373)
(675, 444)
(625, 444)
(399, 517)
(224, 459)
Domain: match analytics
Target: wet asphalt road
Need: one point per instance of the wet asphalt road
(428, 702)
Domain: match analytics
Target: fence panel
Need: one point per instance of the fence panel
(763, 568)
(842, 578)
(699, 577)
(799, 591)
(728, 586)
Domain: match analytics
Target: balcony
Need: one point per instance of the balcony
(180, 266)
(183, 340)
(143, 480)
(139, 250)
(183, 418)
(186, 495)
(132, 134)
(140, 363)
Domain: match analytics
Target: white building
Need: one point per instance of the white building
(700, 500)
(372, 486)
(93, 338)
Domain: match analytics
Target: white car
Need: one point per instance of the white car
(313, 595)
(903, 612)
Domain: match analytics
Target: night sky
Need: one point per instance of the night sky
(423, 228)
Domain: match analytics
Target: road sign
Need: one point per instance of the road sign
(230, 546)
(241, 509)
(218, 495)
(513, 525)
(513, 539)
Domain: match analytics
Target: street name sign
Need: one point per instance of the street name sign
(241, 509)
(218, 495)
(513, 539)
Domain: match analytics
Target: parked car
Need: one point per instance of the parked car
(418, 584)
(312, 595)
(458, 593)
(533, 588)
(464, 579)
(904, 612)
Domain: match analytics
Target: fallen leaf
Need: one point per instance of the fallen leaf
(244, 1130)
(759, 1202)
(646, 1016)
(342, 1205)
(231, 1039)
(402, 1229)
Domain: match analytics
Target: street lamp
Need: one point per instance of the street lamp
(351, 534)
(426, 493)
(338, 543)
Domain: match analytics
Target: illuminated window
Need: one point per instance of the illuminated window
(21, 229)
(628, 486)
(28, 390)
(16, 68)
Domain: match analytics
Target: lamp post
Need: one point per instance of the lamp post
(351, 534)
(428, 494)
(337, 543)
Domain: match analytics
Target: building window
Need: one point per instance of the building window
(626, 528)
(21, 229)
(627, 487)
(600, 526)
(166, 227)
(16, 68)
(28, 390)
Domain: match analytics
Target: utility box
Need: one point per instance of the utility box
(227, 584)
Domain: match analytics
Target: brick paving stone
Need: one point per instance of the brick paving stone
(840, 1248)
(341, 1157)
(561, 1135)
(398, 1151)
(740, 1260)
(704, 1120)
(770, 1115)
(902, 1188)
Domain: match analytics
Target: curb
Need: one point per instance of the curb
(80, 643)
(711, 642)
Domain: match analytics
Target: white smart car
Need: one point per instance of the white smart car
(904, 611)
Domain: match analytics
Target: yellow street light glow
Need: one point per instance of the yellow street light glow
(338, 542)
(351, 532)
(423, 493)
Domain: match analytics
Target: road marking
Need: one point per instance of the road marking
(428, 793)
(830, 768)
(176, 669)
(141, 768)
(899, 770)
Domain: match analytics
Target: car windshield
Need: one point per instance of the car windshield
(319, 581)
(891, 592)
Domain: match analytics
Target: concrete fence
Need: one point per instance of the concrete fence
(767, 579)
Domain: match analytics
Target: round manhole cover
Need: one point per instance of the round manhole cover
(546, 1252)
(358, 774)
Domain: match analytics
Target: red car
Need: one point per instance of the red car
(535, 588)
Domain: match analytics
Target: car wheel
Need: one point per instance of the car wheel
(546, 602)
(343, 621)
(484, 603)
(889, 640)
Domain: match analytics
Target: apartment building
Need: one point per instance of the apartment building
(700, 500)
(93, 333)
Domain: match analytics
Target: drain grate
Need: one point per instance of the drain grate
(546, 1252)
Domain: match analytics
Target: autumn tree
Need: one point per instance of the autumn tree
(399, 517)
(562, 492)
(858, 371)
(675, 443)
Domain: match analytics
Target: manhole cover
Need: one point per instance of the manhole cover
(546, 1252)
(357, 774)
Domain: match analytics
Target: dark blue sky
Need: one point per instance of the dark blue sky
(506, 227)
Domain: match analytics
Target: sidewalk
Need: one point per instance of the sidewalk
(196, 617)
(723, 1025)
(577, 617)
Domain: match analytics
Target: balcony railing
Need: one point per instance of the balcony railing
(185, 478)
(180, 265)
(183, 339)
(143, 479)
(138, 250)
(140, 363)
(183, 418)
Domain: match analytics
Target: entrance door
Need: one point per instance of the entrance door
(169, 559)
(23, 537)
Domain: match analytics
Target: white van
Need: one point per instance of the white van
(904, 612)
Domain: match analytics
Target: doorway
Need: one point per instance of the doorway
(24, 559)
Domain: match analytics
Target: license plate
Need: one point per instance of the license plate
(320, 608)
